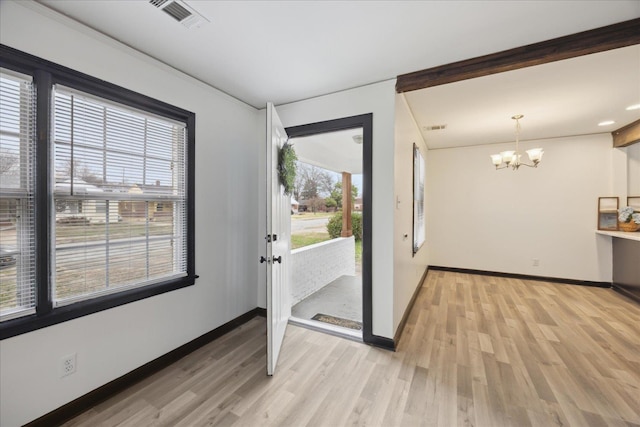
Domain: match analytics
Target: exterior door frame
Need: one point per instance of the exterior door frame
(364, 121)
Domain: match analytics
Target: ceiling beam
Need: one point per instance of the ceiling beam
(626, 135)
(614, 36)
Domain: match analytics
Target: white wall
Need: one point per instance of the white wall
(484, 219)
(377, 99)
(408, 269)
(114, 342)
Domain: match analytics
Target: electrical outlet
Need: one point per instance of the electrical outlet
(68, 365)
(536, 262)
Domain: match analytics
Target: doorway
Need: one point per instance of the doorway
(326, 261)
(357, 131)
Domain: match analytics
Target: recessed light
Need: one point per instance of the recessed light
(633, 107)
(606, 123)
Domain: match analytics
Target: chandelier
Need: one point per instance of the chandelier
(512, 158)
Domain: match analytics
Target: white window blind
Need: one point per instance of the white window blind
(120, 193)
(17, 184)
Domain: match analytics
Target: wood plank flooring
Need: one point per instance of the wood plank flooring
(476, 351)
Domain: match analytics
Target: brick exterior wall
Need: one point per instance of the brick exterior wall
(315, 266)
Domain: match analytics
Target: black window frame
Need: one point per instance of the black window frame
(45, 75)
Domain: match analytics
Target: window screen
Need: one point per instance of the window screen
(17, 182)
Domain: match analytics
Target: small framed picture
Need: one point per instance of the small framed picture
(634, 202)
(608, 213)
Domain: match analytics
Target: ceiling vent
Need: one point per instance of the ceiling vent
(434, 127)
(181, 12)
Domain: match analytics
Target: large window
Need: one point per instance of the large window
(17, 181)
(97, 195)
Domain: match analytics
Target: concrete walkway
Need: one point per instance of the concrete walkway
(340, 298)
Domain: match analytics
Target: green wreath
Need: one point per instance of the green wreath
(287, 167)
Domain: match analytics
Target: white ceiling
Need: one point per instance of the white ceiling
(335, 151)
(557, 99)
(286, 51)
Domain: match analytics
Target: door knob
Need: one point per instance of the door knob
(262, 259)
(277, 259)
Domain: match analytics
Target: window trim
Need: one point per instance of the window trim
(45, 75)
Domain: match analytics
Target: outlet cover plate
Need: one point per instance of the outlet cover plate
(68, 365)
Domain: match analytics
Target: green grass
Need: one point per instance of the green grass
(358, 251)
(300, 240)
(121, 230)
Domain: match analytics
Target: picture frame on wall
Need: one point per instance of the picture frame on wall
(634, 202)
(419, 222)
(608, 213)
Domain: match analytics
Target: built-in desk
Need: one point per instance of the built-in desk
(621, 234)
(626, 261)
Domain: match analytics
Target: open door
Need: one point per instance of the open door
(277, 242)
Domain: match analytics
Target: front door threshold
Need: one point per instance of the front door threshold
(327, 328)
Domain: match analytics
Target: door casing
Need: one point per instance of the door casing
(364, 121)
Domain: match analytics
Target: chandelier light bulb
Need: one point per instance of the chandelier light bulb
(507, 156)
(535, 154)
(496, 159)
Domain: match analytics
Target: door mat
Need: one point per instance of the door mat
(338, 321)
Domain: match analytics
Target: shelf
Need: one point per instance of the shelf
(621, 234)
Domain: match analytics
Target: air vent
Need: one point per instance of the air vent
(176, 11)
(181, 12)
(158, 3)
(434, 127)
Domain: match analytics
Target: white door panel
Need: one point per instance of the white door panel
(277, 243)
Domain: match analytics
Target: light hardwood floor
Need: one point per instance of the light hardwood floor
(476, 351)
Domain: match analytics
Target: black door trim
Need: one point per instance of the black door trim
(365, 121)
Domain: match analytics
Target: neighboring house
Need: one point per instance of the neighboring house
(312, 205)
(91, 210)
(294, 206)
(156, 211)
(7, 211)
(94, 211)
(303, 206)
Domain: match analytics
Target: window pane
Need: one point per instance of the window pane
(96, 252)
(17, 232)
(10, 161)
(120, 216)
